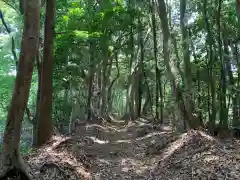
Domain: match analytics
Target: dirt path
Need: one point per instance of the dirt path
(120, 154)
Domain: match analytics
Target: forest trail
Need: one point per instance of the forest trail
(136, 151)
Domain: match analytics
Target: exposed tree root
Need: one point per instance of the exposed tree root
(14, 166)
(15, 173)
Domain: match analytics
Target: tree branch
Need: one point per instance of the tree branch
(10, 5)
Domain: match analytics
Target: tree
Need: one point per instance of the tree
(44, 121)
(11, 159)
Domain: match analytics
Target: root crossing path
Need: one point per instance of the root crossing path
(136, 151)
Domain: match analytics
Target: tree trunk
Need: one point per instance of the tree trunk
(235, 98)
(140, 68)
(228, 70)
(35, 119)
(103, 96)
(155, 59)
(74, 109)
(110, 87)
(99, 82)
(108, 90)
(29, 46)
(130, 99)
(238, 9)
(222, 88)
(90, 82)
(44, 124)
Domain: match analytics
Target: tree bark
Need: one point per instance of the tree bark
(110, 94)
(44, 124)
(91, 78)
(140, 68)
(131, 46)
(29, 46)
(35, 119)
(223, 81)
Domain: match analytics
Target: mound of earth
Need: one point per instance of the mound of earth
(54, 161)
(197, 155)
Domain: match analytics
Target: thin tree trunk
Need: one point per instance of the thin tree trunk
(140, 69)
(44, 124)
(223, 90)
(235, 98)
(99, 81)
(104, 86)
(91, 76)
(112, 83)
(156, 60)
(35, 119)
(130, 100)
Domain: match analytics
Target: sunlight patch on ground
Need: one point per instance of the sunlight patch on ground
(98, 140)
(125, 169)
(105, 161)
(122, 141)
(113, 129)
(122, 130)
(211, 158)
(128, 162)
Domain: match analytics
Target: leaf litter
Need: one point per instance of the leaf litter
(135, 151)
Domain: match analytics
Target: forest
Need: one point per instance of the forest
(119, 89)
